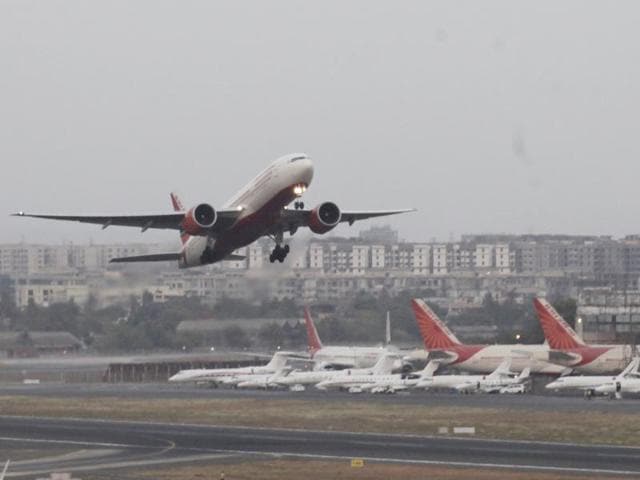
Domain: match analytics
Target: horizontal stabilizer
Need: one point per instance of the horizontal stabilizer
(159, 257)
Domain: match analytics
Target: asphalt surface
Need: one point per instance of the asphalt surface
(110, 444)
(188, 392)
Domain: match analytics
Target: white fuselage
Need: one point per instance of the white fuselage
(260, 203)
(362, 381)
(353, 357)
(316, 376)
(620, 386)
(487, 383)
(580, 382)
(596, 359)
(486, 358)
(269, 380)
(216, 375)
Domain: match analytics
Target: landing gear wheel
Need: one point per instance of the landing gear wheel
(279, 253)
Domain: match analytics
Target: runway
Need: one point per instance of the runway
(104, 445)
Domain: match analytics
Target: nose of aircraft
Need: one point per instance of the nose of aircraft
(305, 169)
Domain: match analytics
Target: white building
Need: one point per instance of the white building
(47, 289)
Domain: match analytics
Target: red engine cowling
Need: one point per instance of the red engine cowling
(324, 217)
(199, 219)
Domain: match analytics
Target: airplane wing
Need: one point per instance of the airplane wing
(171, 221)
(159, 257)
(293, 219)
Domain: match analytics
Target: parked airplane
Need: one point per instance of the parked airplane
(338, 357)
(568, 349)
(381, 369)
(396, 382)
(442, 345)
(383, 366)
(222, 375)
(262, 381)
(259, 209)
(626, 382)
(500, 378)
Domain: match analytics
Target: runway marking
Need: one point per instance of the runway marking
(440, 463)
(122, 464)
(71, 442)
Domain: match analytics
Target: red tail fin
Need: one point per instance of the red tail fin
(313, 339)
(435, 333)
(178, 207)
(557, 332)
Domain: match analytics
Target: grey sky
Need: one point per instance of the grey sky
(486, 116)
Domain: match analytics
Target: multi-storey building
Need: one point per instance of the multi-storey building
(609, 315)
(47, 289)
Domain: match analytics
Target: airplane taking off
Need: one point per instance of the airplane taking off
(568, 349)
(338, 357)
(444, 346)
(259, 209)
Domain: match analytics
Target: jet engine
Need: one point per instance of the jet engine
(199, 219)
(324, 217)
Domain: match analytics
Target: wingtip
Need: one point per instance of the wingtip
(18, 214)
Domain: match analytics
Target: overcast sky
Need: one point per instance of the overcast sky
(517, 117)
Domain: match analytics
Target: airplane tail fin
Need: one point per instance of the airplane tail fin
(385, 364)
(179, 207)
(435, 333)
(524, 375)
(631, 368)
(278, 361)
(556, 331)
(430, 369)
(313, 339)
(503, 369)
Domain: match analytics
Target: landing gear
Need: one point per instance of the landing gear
(298, 205)
(279, 253)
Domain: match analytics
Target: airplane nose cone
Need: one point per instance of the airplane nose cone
(306, 171)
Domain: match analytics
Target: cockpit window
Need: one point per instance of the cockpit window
(295, 159)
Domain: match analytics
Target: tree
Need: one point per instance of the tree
(235, 336)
